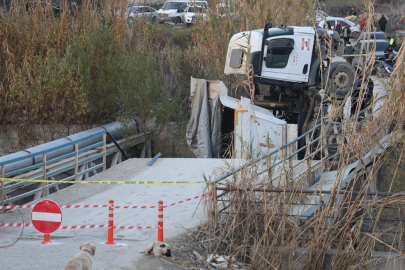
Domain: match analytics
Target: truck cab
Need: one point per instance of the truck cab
(287, 54)
(297, 64)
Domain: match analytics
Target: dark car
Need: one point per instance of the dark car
(373, 35)
(367, 47)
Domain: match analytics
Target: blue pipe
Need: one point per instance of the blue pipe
(112, 128)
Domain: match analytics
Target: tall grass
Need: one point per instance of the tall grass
(86, 67)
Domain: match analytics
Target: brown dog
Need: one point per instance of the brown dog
(83, 260)
(158, 249)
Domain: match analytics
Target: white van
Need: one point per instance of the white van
(173, 10)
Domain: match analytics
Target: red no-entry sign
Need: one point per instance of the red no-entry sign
(46, 216)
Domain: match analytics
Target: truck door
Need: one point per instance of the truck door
(288, 58)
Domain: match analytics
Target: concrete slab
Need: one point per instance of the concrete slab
(28, 253)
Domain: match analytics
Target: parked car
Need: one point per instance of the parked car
(173, 10)
(364, 47)
(192, 12)
(373, 35)
(141, 13)
(354, 28)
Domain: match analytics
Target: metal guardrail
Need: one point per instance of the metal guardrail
(49, 174)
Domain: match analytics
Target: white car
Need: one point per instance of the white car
(139, 13)
(173, 10)
(354, 28)
(192, 12)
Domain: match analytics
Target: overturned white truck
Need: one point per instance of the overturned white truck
(296, 63)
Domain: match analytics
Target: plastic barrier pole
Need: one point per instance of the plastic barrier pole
(110, 240)
(160, 223)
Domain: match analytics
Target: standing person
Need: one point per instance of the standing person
(346, 34)
(382, 22)
(338, 27)
(352, 12)
(348, 53)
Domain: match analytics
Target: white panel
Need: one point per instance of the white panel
(43, 216)
(259, 128)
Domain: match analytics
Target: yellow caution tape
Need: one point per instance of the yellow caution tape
(363, 54)
(105, 182)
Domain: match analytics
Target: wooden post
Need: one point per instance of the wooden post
(105, 152)
(76, 160)
(44, 175)
(2, 186)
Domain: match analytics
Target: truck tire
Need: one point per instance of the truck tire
(339, 79)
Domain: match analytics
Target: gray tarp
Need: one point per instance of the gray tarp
(204, 129)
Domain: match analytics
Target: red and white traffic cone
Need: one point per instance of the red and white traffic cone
(110, 240)
(160, 223)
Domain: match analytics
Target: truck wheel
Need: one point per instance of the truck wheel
(177, 20)
(356, 35)
(339, 79)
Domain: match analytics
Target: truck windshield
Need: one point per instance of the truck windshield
(172, 5)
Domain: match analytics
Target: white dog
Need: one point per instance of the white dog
(158, 249)
(83, 260)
